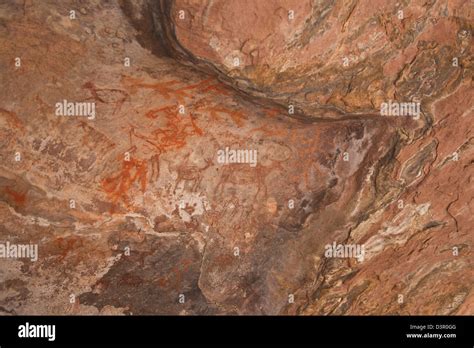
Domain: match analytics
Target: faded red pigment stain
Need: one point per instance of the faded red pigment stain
(217, 89)
(18, 197)
(221, 262)
(173, 135)
(237, 117)
(118, 186)
(272, 112)
(172, 88)
(175, 278)
(164, 88)
(107, 95)
(270, 131)
(12, 118)
(66, 245)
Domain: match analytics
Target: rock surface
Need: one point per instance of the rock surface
(132, 212)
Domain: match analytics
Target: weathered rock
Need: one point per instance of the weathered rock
(157, 225)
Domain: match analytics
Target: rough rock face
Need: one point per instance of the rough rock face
(132, 209)
(331, 58)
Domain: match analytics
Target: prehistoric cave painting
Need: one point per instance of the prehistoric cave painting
(118, 186)
(236, 157)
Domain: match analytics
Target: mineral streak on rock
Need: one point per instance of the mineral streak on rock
(132, 211)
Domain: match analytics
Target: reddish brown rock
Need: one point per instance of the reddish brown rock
(157, 225)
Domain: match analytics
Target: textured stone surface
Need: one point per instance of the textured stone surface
(333, 57)
(405, 192)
